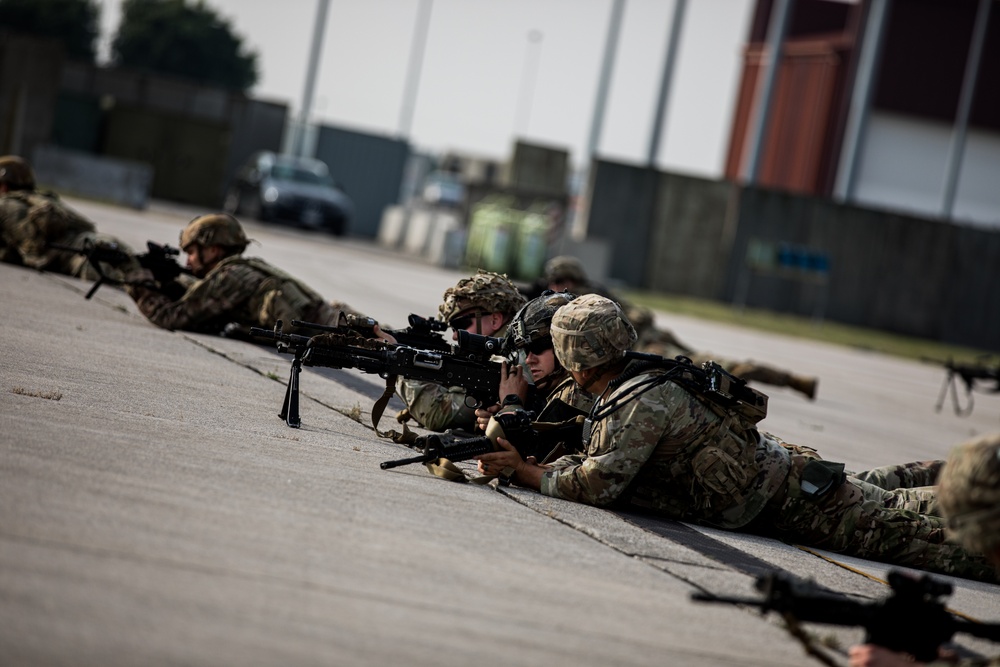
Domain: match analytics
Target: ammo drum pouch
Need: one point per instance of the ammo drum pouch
(819, 477)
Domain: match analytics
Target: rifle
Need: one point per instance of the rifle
(159, 259)
(423, 332)
(543, 441)
(969, 374)
(465, 365)
(912, 619)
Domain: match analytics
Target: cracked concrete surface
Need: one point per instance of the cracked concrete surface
(160, 512)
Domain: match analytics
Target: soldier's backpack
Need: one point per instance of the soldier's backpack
(46, 221)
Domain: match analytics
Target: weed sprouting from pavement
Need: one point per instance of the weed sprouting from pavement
(49, 395)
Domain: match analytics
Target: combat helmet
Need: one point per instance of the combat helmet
(533, 321)
(214, 229)
(590, 331)
(488, 291)
(16, 173)
(969, 493)
(565, 268)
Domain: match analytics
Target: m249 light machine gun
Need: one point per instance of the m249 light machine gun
(465, 365)
(911, 620)
(424, 333)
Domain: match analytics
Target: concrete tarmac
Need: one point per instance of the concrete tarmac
(155, 510)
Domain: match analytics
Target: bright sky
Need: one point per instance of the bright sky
(474, 92)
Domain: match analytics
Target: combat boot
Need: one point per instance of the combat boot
(804, 385)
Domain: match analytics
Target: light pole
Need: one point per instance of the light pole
(532, 57)
(307, 94)
(415, 65)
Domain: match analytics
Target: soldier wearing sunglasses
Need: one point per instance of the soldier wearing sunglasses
(482, 304)
(554, 396)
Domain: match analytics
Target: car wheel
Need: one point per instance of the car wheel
(337, 226)
(231, 204)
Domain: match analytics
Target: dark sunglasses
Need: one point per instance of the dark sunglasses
(463, 322)
(538, 346)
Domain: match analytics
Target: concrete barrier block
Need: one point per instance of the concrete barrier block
(392, 227)
(417, 231)
(442, 224)
(124, 182)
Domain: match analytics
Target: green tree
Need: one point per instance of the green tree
(74, 22)
(185, 39)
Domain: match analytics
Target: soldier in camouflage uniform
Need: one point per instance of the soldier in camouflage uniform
(567, 273)
(969, 493)
(551, 384)
(482, 304)
(231, 289)
(660, 443)
(32, 220)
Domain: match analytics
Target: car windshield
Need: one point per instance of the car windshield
(297, 174)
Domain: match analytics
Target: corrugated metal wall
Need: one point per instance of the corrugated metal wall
(29, 85)
(369, 168)
(893, 272)
(187, 154)
(77, 122)
(887, 271)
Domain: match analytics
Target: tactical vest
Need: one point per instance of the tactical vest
(724, 477)
(279, 296)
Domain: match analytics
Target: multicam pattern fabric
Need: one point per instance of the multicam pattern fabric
(589, 331)
(565, 268)
(667, 451)
(214, 229)
(909, 486)
(246, 291)
(845, 522)
(491, 292)
(30, 221)
(435, 407)
(969, 492)
(903, 476)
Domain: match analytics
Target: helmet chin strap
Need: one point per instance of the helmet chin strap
(592, 379)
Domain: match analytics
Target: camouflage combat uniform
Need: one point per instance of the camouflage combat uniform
(666, 447)
(243, 290)
(31, 220)
(436, 407)
(665, 451)
(912, 483)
